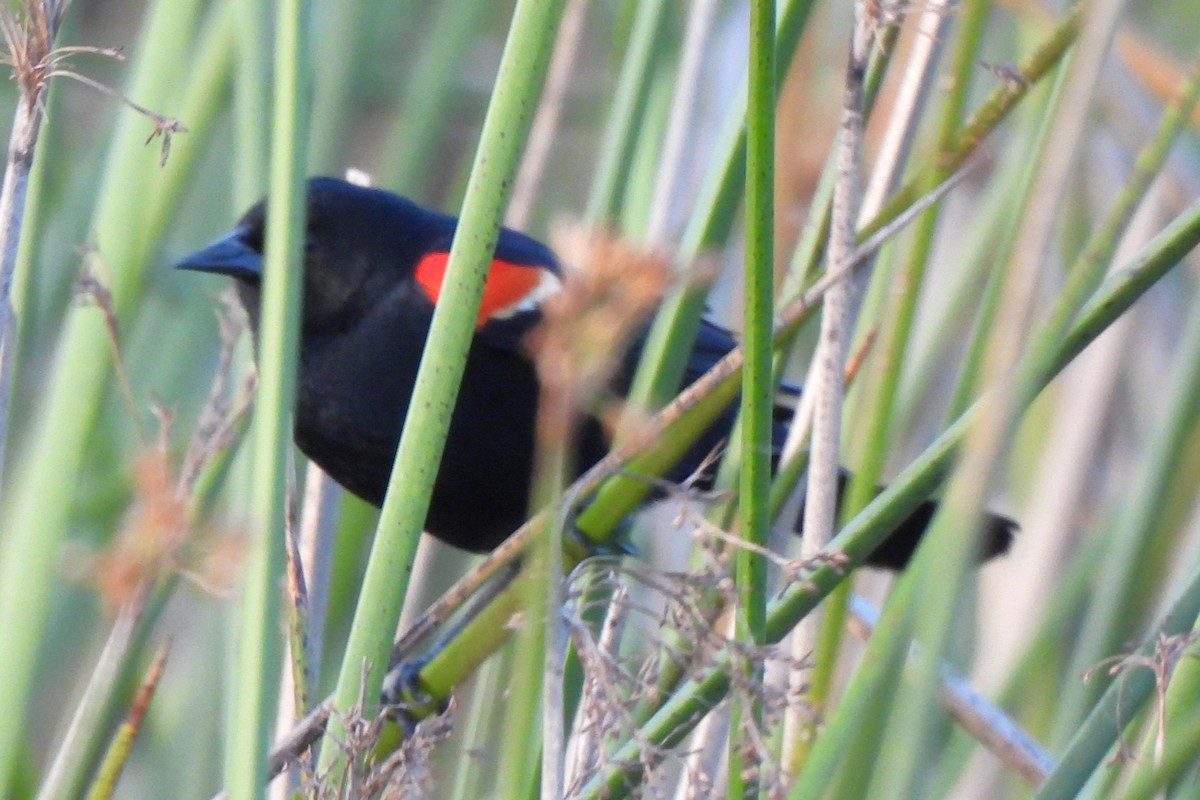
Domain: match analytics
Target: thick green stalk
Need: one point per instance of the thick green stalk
(758, 379)
(758, 384)
(509, 116)
(257, 659)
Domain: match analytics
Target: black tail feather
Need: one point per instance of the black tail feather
(897, 550)
(894, 552)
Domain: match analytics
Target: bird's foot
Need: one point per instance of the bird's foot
(405, 700)
(583, 546)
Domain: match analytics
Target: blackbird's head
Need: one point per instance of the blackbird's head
(359, 244)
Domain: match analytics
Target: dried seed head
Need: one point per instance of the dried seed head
(611, 287)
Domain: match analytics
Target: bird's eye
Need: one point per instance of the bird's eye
(254, 236)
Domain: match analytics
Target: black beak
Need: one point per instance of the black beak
(229, 255)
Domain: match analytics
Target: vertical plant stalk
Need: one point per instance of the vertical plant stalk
(879, 390)
(297, 668)
(30, 45)
(712, 220)
(549, 114)
(529, 177)
(758, 384)
(509, 117)
(552, 454)
(259, 646)
(679, 124)
(538, 666)
(318, 515)
(820, 505)
(807, 254)
(826, 382)
(894, 151)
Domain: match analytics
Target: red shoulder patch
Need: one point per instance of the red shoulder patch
(508, 284)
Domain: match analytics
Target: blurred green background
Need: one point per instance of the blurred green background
(399, 90)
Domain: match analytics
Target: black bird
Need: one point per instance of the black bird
(373, 268)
